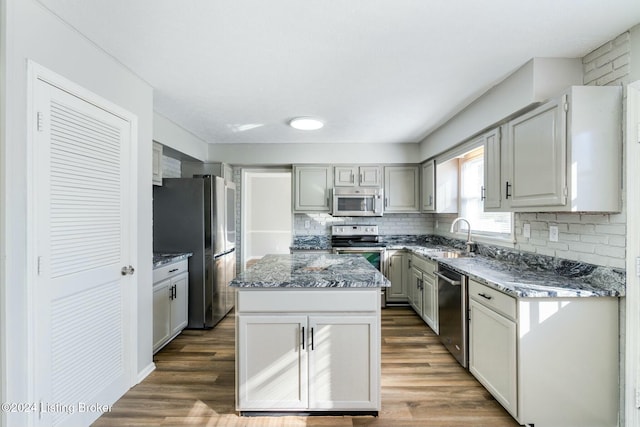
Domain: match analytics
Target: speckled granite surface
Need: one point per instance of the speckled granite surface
(162, 259)
(520, 274)
(311, 271)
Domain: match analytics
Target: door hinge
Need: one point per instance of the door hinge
(566, 106)
(637, 398)
(40, 121)
(39, 265)
(637, 266)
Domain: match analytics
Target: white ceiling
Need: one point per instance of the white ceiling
(376, 71)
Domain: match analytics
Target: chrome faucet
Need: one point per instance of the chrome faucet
(471, 246)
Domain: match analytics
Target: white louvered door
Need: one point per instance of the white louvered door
(82, 210)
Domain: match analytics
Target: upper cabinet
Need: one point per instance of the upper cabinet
(490, 192)
(428, 175)
(362, 176)
(157, 163)
(402, 189)
(563, 156)
(312, 188)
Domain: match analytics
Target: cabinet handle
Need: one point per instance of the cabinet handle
(311, 338)
(174, 270)
(485, 296)
(430, 200)
(385, 202)
(360, 178)
(482, 194)
(506, 190)
(409, 263)
(303, 337)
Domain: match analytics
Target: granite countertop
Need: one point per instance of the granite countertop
(522, 280)
(519, 274)
(311, 271)
(163, 259)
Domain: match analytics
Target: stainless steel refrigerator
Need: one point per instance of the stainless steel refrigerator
(198, 215)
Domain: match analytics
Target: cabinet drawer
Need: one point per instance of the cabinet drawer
(426, 265)
(493, 299)
(170, 270)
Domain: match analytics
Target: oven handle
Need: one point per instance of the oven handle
(446, 279)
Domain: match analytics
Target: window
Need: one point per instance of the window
(489, 224)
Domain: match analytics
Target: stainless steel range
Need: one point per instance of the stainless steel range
(363, 240)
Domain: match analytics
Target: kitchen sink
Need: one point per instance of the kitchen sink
(448, 254)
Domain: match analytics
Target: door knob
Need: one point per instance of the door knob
(127, 269)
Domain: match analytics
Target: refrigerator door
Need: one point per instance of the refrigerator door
(217, 214)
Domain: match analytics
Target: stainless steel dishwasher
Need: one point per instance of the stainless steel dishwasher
(452, 312)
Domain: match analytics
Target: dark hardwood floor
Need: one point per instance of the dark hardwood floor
(422, 385)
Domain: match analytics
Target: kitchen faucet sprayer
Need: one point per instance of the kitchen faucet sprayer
(471, 246)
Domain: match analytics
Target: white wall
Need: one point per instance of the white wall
(35, 33)
(286, 154)
(170, 134)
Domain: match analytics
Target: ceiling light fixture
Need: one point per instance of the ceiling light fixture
(306, 123)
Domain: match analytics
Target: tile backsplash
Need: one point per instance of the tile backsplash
(390, 224)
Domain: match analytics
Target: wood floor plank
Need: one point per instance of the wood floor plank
(422, 385)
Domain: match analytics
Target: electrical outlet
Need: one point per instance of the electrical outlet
(553, 233)
(526, 230)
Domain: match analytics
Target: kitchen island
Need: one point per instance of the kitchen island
(308, 335)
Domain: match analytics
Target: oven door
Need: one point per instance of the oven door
(374, 255)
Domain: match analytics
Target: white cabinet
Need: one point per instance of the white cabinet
(490, 191)
(170, 302)
(425, 288)
(429, 186)
(492, 349)
(308, 350)
(402, 189)
(447, 174)
(312, 188)
(398, 274)
(549, 361)
(157, 163)
(352, 176)
(563, 156)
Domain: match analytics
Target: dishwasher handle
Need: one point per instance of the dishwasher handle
(446, 279)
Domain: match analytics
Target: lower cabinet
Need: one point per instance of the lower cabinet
(398, 274)
(549, 361)
(424, 290)
(492, 346)
(308, 361)
(170, 303)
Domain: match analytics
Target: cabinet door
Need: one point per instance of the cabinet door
(492, 172)
(429, 186)
(343, 360)
(312, 188)
(157, 164)
(345, 176)
(272, 362)
(161, 313)
(401, 189)
(370, 176)
(430, 301)
(396, 273)
(492, 354)
(179, 303)
(536, 156)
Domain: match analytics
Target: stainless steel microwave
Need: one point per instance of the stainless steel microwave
(357, 201)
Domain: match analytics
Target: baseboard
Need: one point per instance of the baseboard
(145, 372)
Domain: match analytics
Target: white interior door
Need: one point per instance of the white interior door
(82, 240)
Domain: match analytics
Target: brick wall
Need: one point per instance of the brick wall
(320, 224)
